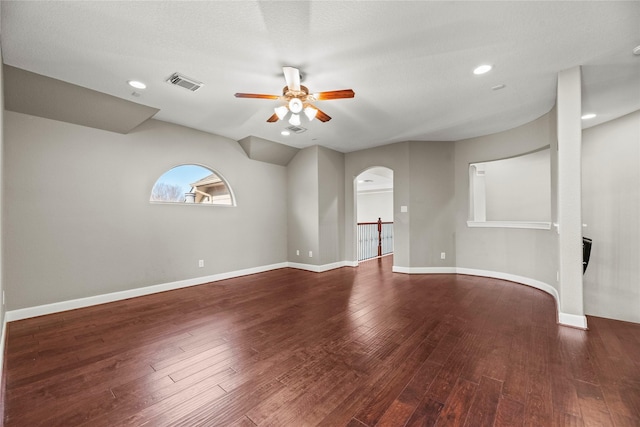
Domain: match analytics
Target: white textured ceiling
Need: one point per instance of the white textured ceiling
(409, 63)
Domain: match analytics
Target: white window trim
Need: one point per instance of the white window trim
(537, 225)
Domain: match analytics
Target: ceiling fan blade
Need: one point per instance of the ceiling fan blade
(256, 95)
(273, 118)
(322, 116)
(292, 76)
(334, 94)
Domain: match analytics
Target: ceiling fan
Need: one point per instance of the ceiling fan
(297, 99)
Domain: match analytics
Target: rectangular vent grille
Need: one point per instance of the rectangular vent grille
(185, 82)
(296, 129)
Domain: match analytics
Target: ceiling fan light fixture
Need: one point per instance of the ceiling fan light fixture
(295, 105)
(281, 112)
(295, 120)
(310, 112)
(296, 98)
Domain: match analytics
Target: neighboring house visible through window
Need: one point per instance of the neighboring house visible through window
(210, 189)
(192, 184)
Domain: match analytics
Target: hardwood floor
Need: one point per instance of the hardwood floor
(351, 347)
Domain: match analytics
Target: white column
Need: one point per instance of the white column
(569, 108)
(478, 193)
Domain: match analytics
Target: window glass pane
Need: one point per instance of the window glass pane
(191, 184)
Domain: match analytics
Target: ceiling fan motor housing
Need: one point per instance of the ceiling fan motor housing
(297, 98)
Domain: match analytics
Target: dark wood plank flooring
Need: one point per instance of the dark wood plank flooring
(351, 347)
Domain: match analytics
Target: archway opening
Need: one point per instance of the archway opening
(374, 213)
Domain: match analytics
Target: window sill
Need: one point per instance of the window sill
(535, 225)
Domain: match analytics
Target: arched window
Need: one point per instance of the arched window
(192, 184)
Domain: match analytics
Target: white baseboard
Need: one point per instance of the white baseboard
(351, 263)
(324, 267)
(572, 320)
(25, 313)
(423, 270)
(512, 278)
(483, 273)
(41, 310)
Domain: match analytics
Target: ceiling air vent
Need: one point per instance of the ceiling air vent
(296, 129)
(185, 82)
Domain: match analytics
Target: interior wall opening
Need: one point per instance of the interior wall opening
(374, 213)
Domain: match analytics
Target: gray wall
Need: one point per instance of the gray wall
(611, 210)
(523, 252)
(331, 205)
(80, 223)
(315, 199)
(396, 158)
(303, 203)
(423, 182)
(507, 180)
(432, 204)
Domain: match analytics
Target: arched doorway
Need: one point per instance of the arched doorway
(374, 213)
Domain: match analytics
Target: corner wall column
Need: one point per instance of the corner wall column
(569, 105)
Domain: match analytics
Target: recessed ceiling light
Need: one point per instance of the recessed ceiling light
(482, 69)
(636, 50)
(588, 116)
(137, 84)
(285, 133)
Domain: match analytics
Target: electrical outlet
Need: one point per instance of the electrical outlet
(310, 254)
(298, 252)
(443, 255)
(201, 263)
